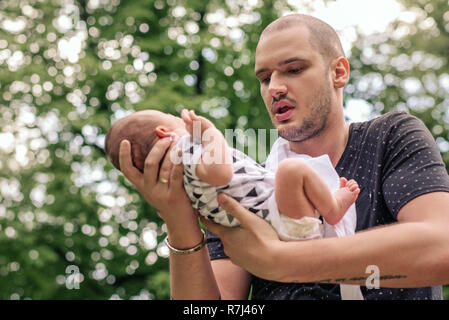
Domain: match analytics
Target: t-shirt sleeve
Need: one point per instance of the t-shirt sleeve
(412, 163)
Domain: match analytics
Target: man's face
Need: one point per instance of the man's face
(294, 83)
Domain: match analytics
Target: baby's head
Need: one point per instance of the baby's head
(142, 129)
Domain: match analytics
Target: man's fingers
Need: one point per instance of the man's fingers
(231, 206)
(166, 165)
(213, 227)
(153, 159)
(176, 175)
(127, 167)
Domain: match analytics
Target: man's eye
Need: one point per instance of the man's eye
(295, 70)
(264, 79)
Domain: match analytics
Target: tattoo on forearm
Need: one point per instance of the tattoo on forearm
(371, 281)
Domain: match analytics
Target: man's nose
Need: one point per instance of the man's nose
(277, 87)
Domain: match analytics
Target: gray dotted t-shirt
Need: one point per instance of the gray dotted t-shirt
(394, 159)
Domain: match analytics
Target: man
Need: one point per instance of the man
(404, 186)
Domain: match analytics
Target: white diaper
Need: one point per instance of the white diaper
(303, 229)
(289, 229)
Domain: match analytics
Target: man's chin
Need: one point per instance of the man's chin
(290, 134)
(295, 134)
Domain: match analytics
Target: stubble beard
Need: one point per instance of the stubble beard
(313, 123)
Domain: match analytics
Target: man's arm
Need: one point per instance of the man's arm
(191, 276)
(233, 281)
(410, 253)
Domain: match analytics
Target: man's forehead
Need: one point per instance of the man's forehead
(280, 46)
(290, 36)
(281, 26)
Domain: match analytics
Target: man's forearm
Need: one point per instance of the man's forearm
(404, 255)
(191, 275)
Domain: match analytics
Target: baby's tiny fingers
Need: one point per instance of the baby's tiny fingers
(185, 115)
(193, 115)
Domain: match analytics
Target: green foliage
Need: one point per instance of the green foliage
(406, 67)
(68, 69)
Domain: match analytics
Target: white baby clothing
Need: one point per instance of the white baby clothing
(322, 164)
(251, 185)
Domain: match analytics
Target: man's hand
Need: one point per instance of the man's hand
(163, 187)
(251, 246)
(191, 276)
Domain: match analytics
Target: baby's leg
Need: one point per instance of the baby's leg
(289, 190)
(299, 190)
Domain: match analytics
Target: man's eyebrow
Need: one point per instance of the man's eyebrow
(261, 71)
(293, 59)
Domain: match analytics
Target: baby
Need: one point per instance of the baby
(292, 199)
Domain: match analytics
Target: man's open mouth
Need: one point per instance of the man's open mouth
(284, 113)
(283, 110)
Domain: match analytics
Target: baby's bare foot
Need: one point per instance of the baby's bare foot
(347, 194)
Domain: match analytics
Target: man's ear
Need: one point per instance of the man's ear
(163, 132)
(340, 72)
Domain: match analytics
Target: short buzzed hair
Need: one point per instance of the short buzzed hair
(323, 37)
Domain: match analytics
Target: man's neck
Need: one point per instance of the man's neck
(331, 142)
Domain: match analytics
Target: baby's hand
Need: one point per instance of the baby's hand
(191, 120)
